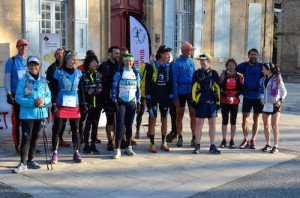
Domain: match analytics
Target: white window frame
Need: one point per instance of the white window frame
(53, 20)
(177, 24)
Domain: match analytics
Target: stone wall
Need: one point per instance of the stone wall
(289, 37)
(153, 19)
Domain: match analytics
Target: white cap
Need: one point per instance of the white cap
(33, 59)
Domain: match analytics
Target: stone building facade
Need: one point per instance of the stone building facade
(288, 33)
(223, 28)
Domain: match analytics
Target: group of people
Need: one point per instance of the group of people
(122, 90)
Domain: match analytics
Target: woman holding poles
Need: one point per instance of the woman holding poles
(33, 95)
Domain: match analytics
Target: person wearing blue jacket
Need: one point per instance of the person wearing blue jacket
(126, 96)
(183, 69)
(15, 69)
(32, 94)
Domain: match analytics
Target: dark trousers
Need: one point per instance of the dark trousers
(30, 135)
(172, 113)
(92, 121)
(139, 116)
(16, 123)
(58, 123)
(125, 117)
(62, 130)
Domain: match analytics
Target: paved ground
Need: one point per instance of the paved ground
(282, 180)
(177, 173)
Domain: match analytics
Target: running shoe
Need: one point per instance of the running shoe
(20, 168)
(197, 149)
(274, 150)
(93, 149)
(267, 148)
(252, 144)
(179, 142)
(54, 158)
(213, 149)
(231, 144)
(98, 140)
(223, 144)
(152, 148)
(117, 153)
(244, 144)
(33, 165)
(172, 137)
(164, 147)
(129, 151)
(193, 143)
(77, 158)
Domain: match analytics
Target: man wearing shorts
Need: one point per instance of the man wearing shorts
(253, 96)
(182, 70)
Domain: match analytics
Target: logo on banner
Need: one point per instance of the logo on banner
(138, 35)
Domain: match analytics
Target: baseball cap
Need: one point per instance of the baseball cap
(22, 42)
(128, 56)
(33, 59)
(162, 49)
(204, 56)
(187, 46)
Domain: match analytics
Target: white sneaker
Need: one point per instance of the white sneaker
(20, 168)
(129, 151)
(117, 154)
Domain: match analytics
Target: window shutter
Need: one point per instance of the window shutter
(80, 27)
(32, 26)
(254, 26)
(169, 13)
(222, 28)
(198, 26)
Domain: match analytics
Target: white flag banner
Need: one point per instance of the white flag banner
(139, 42)
(50, 43)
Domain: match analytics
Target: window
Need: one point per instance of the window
(222, 29)
(182, 25)
(176, 24)
(54, 19)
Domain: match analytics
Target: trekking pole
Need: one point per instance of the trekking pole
(45, 140)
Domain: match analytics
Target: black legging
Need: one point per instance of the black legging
(92, 121)
(139, 116)
(172, 113)
(30, 134)
(61, 133)
(125, 116)
(233, 110)
(58, 122)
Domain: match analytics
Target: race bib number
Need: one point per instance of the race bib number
(69, 101)
(21, 73)
(268, 107)
(126, 92)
